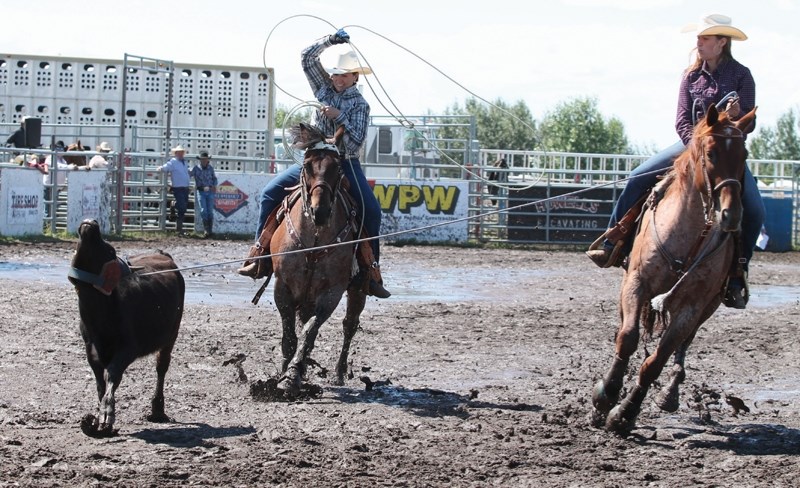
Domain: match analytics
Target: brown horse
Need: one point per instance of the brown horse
(679, 265)
(309, 285)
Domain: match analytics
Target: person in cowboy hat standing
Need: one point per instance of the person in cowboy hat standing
(179, 174)
(99, 161)
(342, 105)
(205, 180)
(713, 75)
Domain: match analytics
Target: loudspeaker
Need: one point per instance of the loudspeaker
(33, 132)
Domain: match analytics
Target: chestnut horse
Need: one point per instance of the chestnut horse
(309, 285)
(679, 265)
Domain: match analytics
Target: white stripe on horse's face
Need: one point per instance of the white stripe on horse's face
(728, 137)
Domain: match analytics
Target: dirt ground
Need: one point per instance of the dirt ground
(488, 384)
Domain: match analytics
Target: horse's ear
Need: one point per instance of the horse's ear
(747, 123)
(712, 116)
(300, 134)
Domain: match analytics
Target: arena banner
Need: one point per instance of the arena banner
(560, 214)
(88, 197)
(21, 201)
(413, 204)
(236, 205)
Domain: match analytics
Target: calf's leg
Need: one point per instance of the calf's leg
(157, 413)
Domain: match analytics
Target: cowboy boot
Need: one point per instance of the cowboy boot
(737, 293)
(179, 226)
(376, 288)
(259, 268)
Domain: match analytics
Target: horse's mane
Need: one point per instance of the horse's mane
(305, 136)
(694, 151)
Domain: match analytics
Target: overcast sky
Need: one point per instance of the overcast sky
(628, 54)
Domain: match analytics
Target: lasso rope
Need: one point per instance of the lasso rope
(403, 121)
(399, 116)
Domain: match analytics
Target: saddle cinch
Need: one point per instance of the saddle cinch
(624, 231)
(262, 268)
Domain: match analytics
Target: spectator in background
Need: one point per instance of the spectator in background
(17, 138)
(206, 182)
(179, 175)
(62, 166)
(99, 161)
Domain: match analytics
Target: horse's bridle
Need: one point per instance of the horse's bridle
(334, 190)
(708, 208)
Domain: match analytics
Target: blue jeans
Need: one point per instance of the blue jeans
(205, 199)
(273, 194)
(181, 195)
(639, 184)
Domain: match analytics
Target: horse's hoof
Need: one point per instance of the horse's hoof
(668, 401)
(598, 418)
(600, 400)
(89, 425)
(158, 417)
(290, 388)
(618, 424)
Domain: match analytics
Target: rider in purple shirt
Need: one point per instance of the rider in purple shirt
(703, 87)
(709, 80)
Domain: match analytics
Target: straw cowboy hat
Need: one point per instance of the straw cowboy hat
(716, 25)
(104, 146)
(348, 63)
(178, 148)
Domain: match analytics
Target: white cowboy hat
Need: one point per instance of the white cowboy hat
(104, 146)
(178, 148)
(716, 25)
(348, 63)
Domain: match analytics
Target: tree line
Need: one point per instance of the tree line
(578, 126)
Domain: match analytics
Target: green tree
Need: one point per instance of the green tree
(303, 115)
(578, 126)
(781, 142)
(498, 125)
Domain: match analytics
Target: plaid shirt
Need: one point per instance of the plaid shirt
(178, 172)
(354, 109)
(204, 177)
(700, 89)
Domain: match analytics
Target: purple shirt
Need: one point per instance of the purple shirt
(701, 89)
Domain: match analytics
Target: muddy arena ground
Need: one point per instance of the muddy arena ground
(481, 368)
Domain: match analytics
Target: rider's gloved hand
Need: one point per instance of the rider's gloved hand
(340, 37)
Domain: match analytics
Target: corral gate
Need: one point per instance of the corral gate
(142, 106)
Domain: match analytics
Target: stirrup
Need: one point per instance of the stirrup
(375, 287)
(737, 296)
(254, 268)
(601, 256)
(249, 270)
